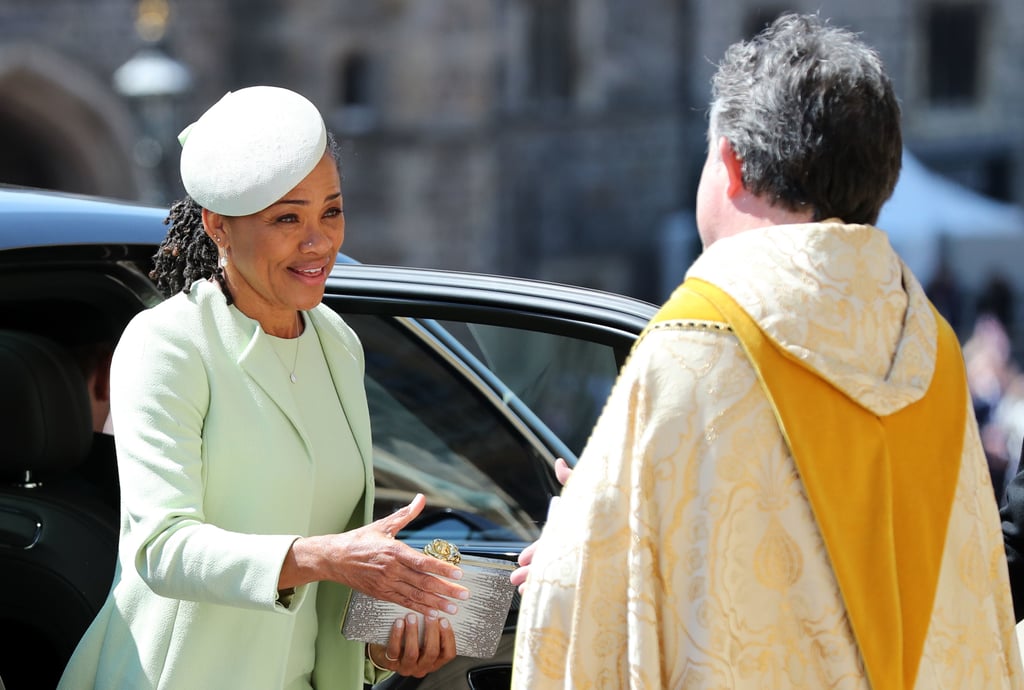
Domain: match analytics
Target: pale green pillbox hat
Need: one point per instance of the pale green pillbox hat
(250, 149)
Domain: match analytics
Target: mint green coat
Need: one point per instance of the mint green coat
(217, 480)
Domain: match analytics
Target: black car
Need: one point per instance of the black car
(476, 384)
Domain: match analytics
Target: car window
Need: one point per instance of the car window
(436, 433)
(564, 380)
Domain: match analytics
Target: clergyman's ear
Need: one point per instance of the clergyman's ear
(733, 167)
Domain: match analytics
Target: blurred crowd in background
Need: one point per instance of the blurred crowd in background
(994, 374)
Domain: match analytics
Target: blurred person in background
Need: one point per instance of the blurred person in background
(990, 372)
(89, 335)
(944, 290)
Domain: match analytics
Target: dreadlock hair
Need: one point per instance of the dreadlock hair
(187, 253)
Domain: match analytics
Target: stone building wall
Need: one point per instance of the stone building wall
(548, 138)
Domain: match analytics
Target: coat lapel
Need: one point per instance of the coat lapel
(347, 373)
(259, 361)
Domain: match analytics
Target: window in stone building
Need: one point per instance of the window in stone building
(356, 110)
(551, 51)
(355, 80)
(954, 53)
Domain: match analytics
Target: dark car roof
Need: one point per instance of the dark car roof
(41, 218)
(36, 218)
(423, 290)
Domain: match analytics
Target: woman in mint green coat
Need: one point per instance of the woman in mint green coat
(243, 440)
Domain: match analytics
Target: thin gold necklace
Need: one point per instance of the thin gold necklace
(295, 358)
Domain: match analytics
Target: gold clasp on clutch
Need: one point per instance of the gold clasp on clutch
(443, 550)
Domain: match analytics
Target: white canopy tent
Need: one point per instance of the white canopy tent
(925, 207)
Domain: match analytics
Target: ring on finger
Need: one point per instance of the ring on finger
(389, 657)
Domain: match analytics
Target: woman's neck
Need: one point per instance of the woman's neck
(284, 326)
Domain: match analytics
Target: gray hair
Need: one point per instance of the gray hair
(813, 115)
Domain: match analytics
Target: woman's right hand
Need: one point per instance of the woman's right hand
(407, 655)
(369, 559)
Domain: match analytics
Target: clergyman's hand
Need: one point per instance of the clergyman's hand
(562, 471)
(518, 576)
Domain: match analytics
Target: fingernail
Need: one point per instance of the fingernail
(456, 575)
(464, 594)
(444, 623)
(433, 615)
(411, 618)
(399, 624)
(451, 608)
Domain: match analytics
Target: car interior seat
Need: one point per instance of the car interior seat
(58, 539)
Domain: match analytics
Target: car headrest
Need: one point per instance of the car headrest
(45, 413)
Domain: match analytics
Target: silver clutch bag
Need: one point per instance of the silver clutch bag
(479, 622)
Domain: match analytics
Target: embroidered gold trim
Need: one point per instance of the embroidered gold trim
(695, 325)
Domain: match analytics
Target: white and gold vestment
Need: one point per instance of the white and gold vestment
(687, 550)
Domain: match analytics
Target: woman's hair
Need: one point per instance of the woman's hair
(812, 114)
(187, 253)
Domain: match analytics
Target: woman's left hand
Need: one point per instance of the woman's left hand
(405, 655)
